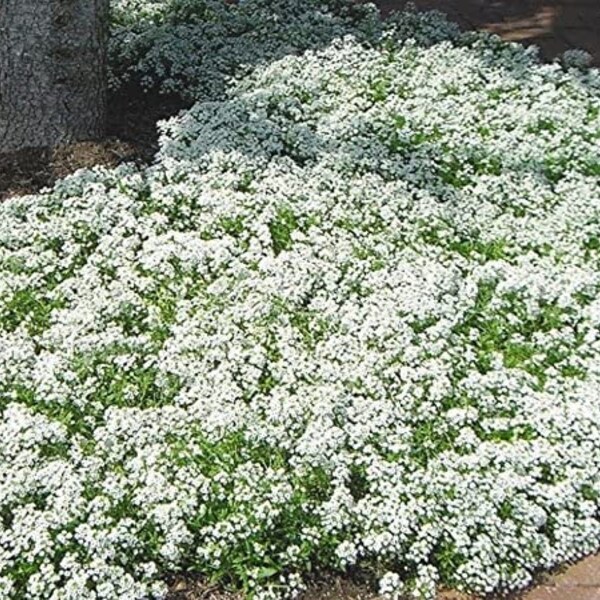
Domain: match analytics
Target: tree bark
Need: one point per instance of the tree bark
(52, 72)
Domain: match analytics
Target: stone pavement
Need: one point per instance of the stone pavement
(553, 25)
(579, 582)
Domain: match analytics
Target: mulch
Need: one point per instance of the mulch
(131, 136)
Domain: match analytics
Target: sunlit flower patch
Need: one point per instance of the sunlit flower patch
(347, 320)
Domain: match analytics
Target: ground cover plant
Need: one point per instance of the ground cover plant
(348, 319)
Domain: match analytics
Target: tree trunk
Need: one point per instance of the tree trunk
(52, 72)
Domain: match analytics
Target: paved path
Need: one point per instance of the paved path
(579, 582)
(554, 25)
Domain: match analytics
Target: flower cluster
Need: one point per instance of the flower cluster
(349, 318)
(193, 48)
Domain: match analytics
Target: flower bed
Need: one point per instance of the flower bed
(348, 319)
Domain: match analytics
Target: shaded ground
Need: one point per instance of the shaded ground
(29, 171)
(553, 25)
(131, 136)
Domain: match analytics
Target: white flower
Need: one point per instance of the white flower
(348, 316)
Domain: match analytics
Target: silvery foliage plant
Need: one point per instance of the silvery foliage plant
(347, 320)
(193, 48)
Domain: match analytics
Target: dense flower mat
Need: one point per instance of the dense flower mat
(348, 319)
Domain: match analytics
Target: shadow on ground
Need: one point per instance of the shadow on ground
(553, 25)
(131, 137)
